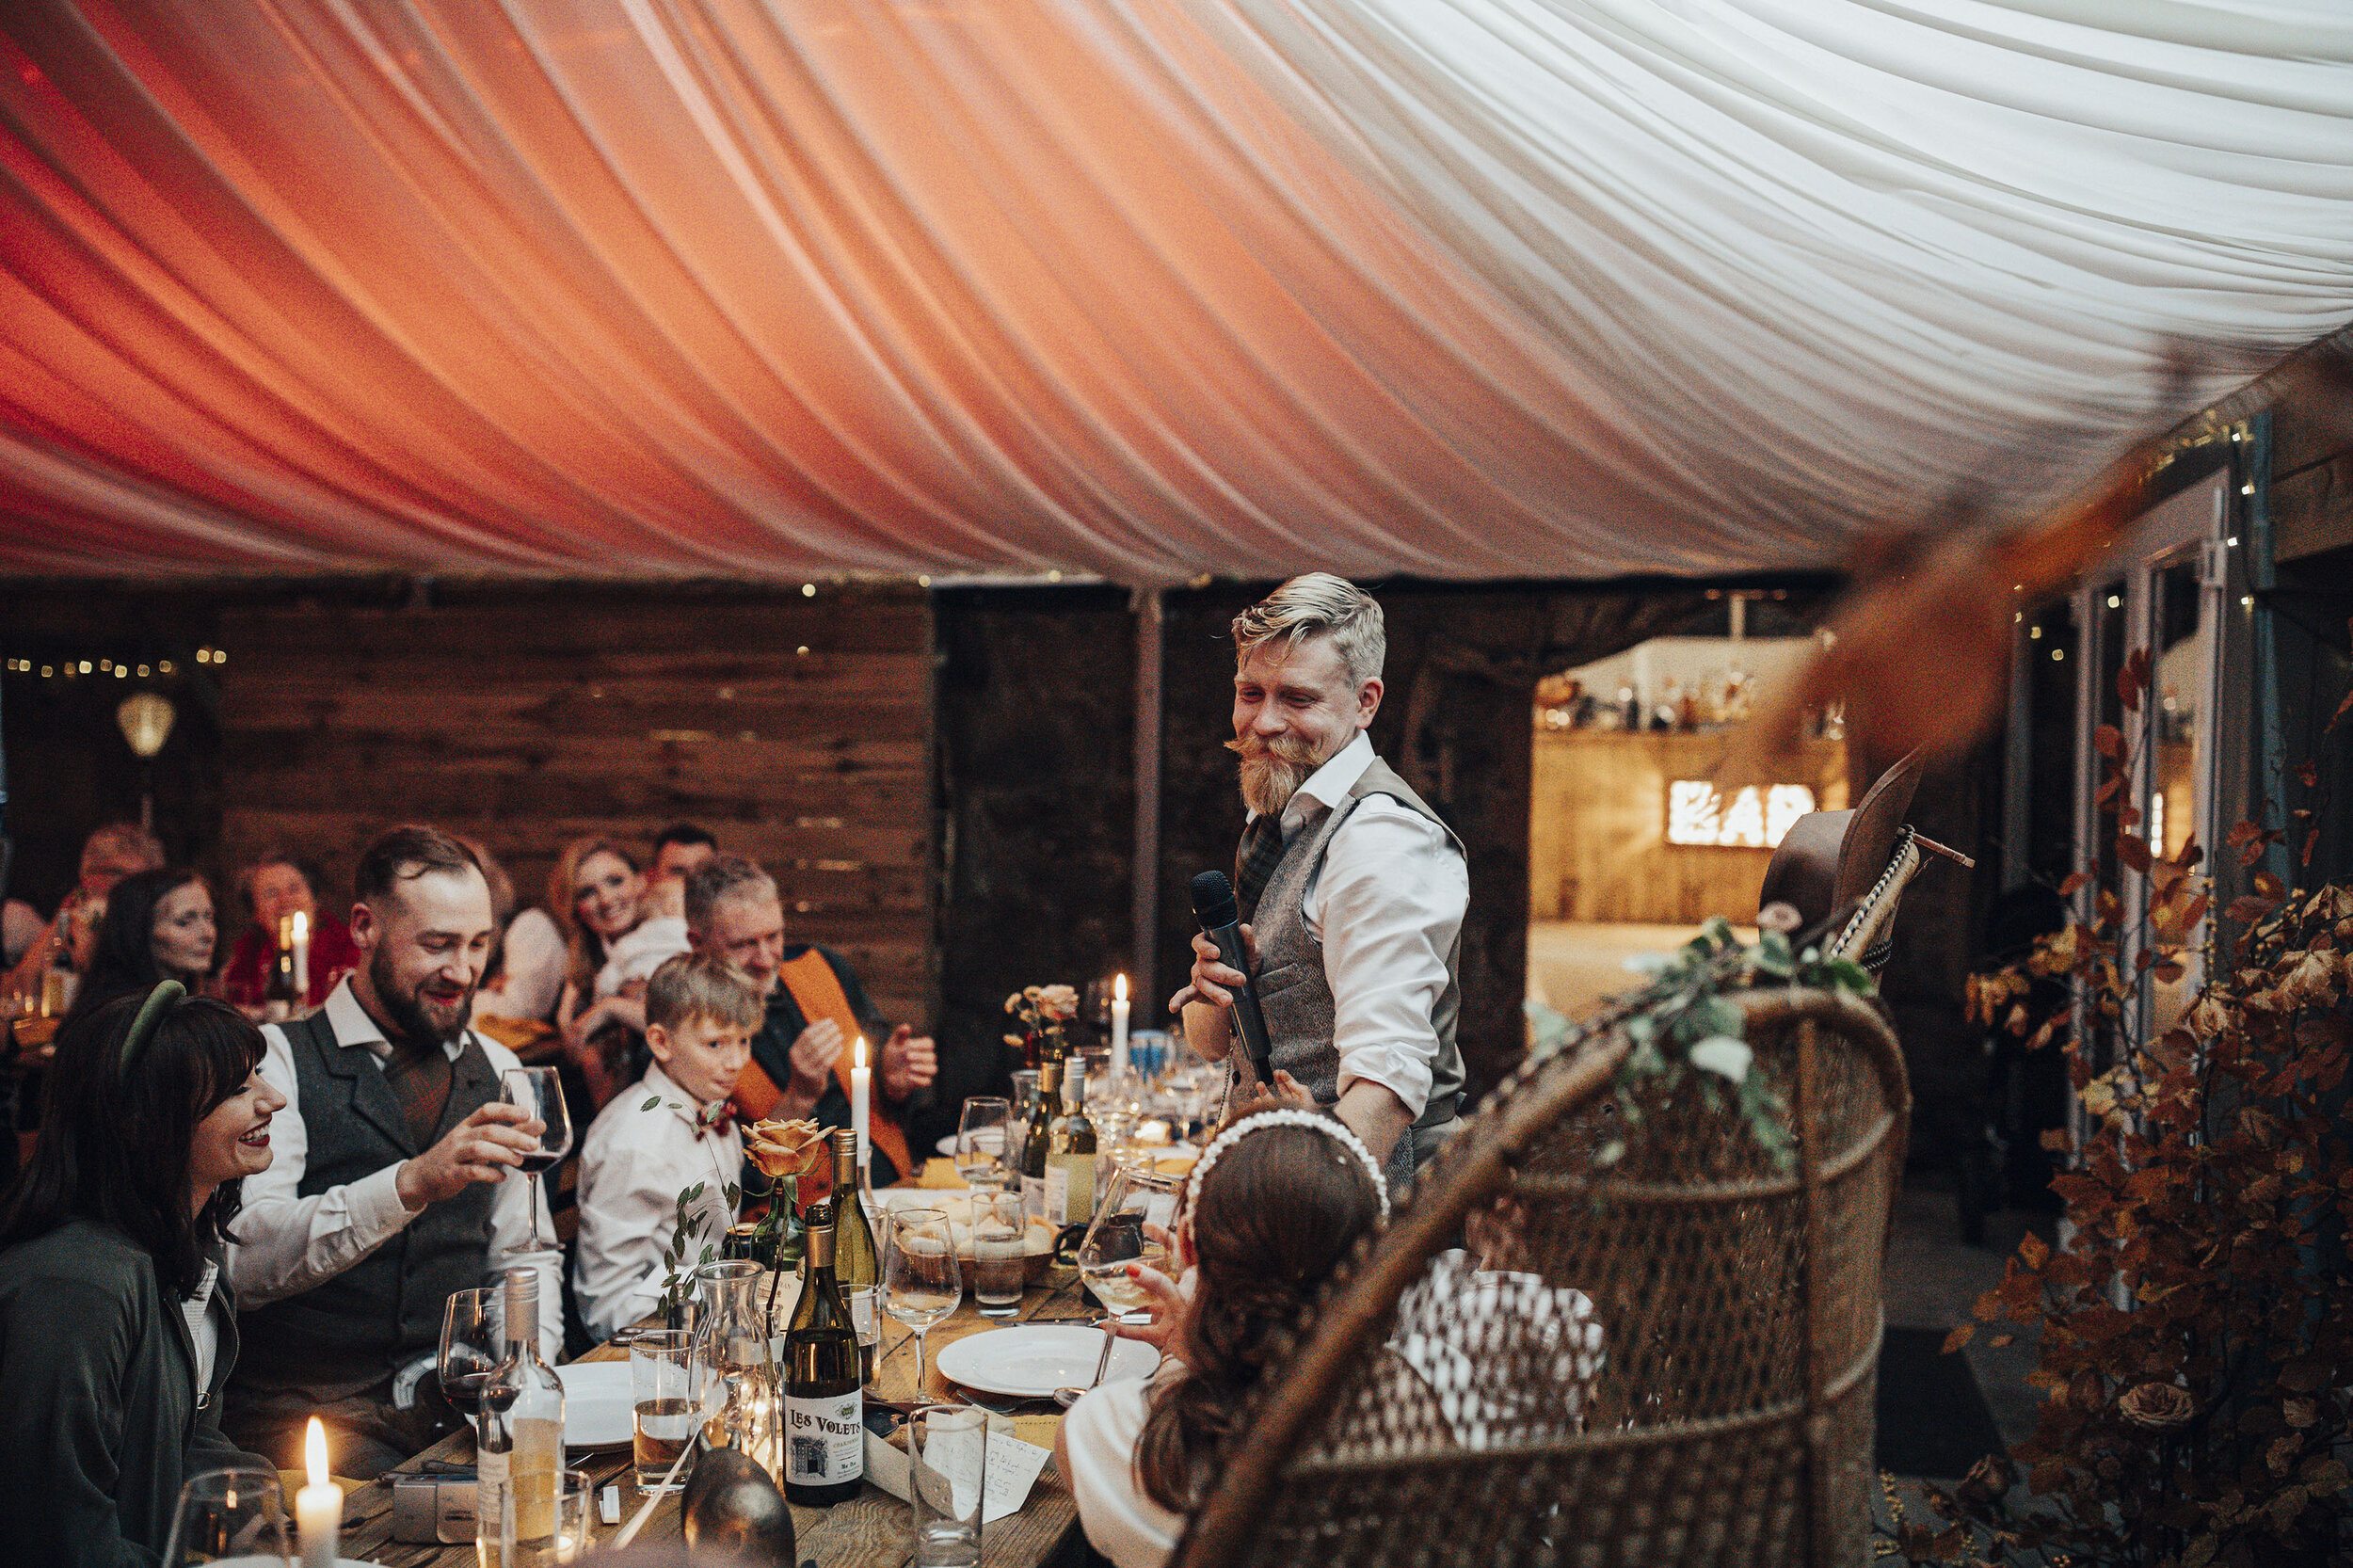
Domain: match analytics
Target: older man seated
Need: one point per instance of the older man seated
(814, 1006)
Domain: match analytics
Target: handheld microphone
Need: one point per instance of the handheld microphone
(1221, 921)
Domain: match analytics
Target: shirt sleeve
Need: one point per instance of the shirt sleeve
(530, 969)
(283, 1243)
(628, 1210)
(1388, 907)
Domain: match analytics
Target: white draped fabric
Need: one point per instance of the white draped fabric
(1138, 287)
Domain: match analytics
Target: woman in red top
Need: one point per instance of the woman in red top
(275, 887)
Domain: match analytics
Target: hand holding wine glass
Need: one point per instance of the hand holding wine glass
(538, 1091)
(922, 1283)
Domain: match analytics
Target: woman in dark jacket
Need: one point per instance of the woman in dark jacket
(116, 1331)
(159, 925)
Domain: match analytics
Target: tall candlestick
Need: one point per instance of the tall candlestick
(1119, 1029)
(303, 958)
(319, 1507)
(861, 1077)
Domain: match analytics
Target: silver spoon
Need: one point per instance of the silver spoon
(1067, 1396)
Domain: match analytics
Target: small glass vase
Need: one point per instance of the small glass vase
(737, 1374)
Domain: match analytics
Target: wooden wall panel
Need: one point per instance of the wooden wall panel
(797, 729)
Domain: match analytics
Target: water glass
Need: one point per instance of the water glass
(947, 1481)
(980, 1146)
(1129, 1226)
(865, 1303)
(574, 1494)
(234, 1518)
(1000, 1252)
(662, 1405)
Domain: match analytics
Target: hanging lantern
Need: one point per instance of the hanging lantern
(146, 720)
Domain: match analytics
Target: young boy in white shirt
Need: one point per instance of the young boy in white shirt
(659, 1138)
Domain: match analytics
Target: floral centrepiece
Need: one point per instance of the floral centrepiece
(1046, 1012)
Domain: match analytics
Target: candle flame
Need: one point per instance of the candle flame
(314, 1452)
(301, 926)
(1119, 988)
(859, 1057)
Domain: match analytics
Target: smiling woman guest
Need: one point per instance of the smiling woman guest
(598, 898)
(116, 1331)
(389, 1191)
(158, 926)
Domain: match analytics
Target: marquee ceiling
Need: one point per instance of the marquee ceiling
(1143, 288)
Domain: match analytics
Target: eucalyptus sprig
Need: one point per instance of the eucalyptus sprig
(1681, 1021)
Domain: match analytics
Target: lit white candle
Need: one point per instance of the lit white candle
(318, 1507)
(1119, 1029)
(861, 1077)
(301, 959)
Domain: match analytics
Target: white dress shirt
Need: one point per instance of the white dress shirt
(638, 1159)
(1100, 1435)
(282, 1244)
(531, 970)
(1387, 905)
(1473, 1335)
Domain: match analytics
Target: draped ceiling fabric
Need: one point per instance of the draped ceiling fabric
(1137, 287)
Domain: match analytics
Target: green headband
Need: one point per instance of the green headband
(159, 1002)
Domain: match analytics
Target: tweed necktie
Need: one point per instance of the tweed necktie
(1262, 851)
(419, 1075)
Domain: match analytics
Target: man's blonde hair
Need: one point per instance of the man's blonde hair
(698, 985)
(1314, 605)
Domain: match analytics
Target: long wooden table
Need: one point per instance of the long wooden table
(870, 1532)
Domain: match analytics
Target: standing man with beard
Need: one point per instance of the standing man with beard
(1352, 891)
(388, 1189)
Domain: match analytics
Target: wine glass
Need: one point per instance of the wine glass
(921, 1281)
(538, 1091)
(1130, 1225)
(981, 1145)
(235, 1518)
(472, 1343)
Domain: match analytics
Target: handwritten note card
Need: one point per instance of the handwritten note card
(1013, 1467)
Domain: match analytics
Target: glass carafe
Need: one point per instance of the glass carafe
(738, 1373)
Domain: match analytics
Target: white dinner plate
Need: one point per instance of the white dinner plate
(595, 1403)
(1032, 1360)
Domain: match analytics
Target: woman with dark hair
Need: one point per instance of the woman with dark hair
(1274, 1205)
(158, 926)
(117, 1332)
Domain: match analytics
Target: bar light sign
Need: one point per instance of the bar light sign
(1697, 814)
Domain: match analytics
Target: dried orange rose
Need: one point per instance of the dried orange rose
(2157, 1406)
(782, 1148)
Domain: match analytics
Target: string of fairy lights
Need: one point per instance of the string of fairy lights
(51, 668)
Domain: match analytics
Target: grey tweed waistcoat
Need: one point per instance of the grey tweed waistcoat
(347, 1334)
(1295, 993)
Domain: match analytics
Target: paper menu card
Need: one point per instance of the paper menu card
(1013, 1467)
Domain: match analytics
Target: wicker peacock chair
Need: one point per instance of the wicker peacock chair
(1729, 1418)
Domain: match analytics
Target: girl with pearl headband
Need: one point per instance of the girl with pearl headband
(1273, 1206)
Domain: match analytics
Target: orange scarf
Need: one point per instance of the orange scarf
(817, 991)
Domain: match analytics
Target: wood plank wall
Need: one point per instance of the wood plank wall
(796, 729)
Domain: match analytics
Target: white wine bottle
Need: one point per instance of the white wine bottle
(1035, 1146)
(1070, 1154)
(520, 1456)
(857, 1262)
(824, 1403)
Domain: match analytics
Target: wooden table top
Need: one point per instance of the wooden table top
(869, 1531)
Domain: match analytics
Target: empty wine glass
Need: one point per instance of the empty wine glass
(921, 1281)
(471, 1345)
(234, 1518)
(980, 1140)
(538, 1091)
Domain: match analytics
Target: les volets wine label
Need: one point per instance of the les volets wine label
(825, 1439)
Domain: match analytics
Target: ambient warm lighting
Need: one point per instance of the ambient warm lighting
(1755, 819)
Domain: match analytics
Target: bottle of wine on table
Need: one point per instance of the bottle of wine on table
(1070, 1154)
(519, 1455)
(825, 1405)
(856, 1261)
(1040, 1140)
